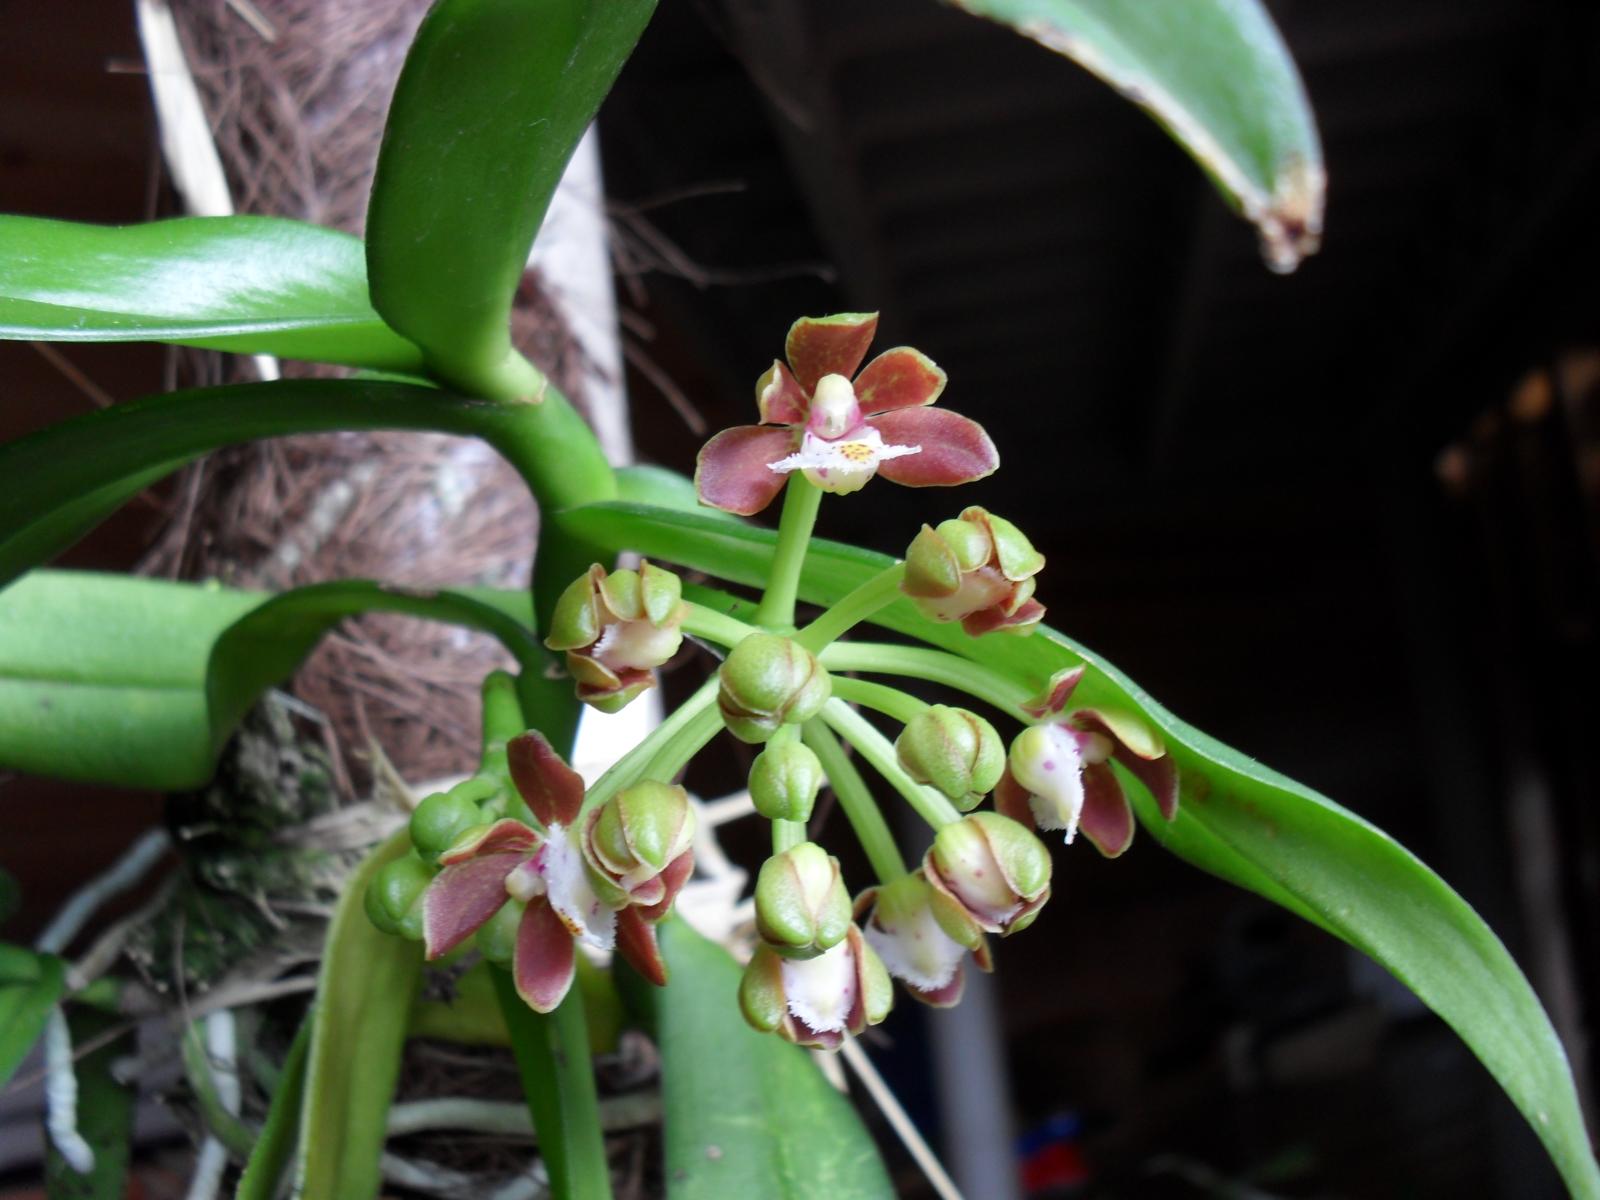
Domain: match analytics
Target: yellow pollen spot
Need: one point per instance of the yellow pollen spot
(856, 451)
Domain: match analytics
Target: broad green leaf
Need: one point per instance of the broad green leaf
(139, 682)
(275, 1145)
(255, 285)
(30, 986)
(490, 105)
(363, 1004)
(1238, 819)
(63, 480)
(105, 1115)
(1217, 76)
(747, 1113)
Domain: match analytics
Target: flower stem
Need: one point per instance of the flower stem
(877, 750)
(675, 754)
(786, 835)
(855, 798)
(882, 590)
(890, 701)
(646, 754)
(973, 678)
(708, 623)
(801, 499)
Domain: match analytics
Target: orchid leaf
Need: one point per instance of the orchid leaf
(1216, 75)
(64, 479)
(254, 285)
(779, 1129)
(139, 682)
(363, 1005)
(30, 986)
(275, 1146)
(491, 103)
(1238, 820)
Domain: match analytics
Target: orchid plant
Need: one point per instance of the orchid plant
(520, 866)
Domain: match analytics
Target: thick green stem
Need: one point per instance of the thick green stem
(879, 751)
(973, 678)
(890, 701)
(675, 754)
(882, 590)
(708, 623)
(552, 1053)
(855, 798)
(681, 728)
(801, 499)
(786, 835)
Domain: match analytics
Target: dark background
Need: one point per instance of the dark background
(1343, 520)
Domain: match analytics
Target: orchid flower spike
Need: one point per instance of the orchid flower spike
(842, 431)
(545, 873)
(1059, 775)
(616, 628)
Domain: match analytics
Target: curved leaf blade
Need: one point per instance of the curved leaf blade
(63, 480)
(255, 285)
(491, 103)
(779, 1128)
(139, 682)
(1217, 76)
(30, 987)
(1239, 820)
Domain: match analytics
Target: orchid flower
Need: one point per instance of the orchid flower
(838, 431)
(547, 871)
(922, 935)
(1059, 775)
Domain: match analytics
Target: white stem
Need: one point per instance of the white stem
(61, 1096)
(856, 1059)
(86, 901)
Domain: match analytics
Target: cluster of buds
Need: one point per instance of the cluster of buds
(977, 569)
(767, 682)
(529, 893)
(1059, 776)
(813, 980)
(617, 627)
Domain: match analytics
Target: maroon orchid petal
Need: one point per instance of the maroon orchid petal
(1137, 746)
(461, 898)
(636, 942)
(675, 875)
(1056, 693)
(947, 996)
(818, 346)
(733, 471)
(1107, 817)
(801, 1034)
(1160, 775)
(779, 397)
(987, 620)
(503, 837)
(544, 961)
(954, 449)
(1011, 800)
(899, 378)
(553, 790)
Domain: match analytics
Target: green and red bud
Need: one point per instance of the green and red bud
(616, 628)
(993, 867)
(953, 750)
(394, 897)
(802, 908)
(634, 843)
(921, 934)
(784, 781)
(817, 1001)
(977, 569)
(769, 681)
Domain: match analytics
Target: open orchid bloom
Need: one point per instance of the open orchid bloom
(817, 1001)
(841, 428)
(922, 935)
(545, 871)
(1059, 774)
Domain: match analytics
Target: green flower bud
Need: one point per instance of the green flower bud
(496, 938)
(634, 837)
(394, 897)
(785, 780)
(802, 907)
(992, 866)
(977, 569)
(955, 751)
(616, 628)
(768, 681)
(440, 820)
